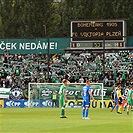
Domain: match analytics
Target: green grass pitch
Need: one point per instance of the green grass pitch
(46, 120)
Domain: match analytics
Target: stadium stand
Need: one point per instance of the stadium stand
(19, 70)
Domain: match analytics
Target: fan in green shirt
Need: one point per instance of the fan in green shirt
(63, 98)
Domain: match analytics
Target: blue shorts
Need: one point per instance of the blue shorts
(86, 103)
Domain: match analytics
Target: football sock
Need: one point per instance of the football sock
(113, 108)
(125, 107)
(116, 108)
(120, 109)
(127, 112)
(86, 113)
(62, 112)
(83, 113)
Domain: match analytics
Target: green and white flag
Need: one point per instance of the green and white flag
(4, 93)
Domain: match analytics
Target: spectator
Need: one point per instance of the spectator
(76, 67)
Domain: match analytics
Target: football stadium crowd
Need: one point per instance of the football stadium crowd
(19, 70)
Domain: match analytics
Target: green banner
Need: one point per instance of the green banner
(44, 91)
(34, 46)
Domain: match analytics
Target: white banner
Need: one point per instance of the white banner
(4, 93)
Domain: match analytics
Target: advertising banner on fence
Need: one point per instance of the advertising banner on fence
(41, 95)
(44, 91)
(95, 104)
(24, 103)
(14, 103)
(48, 103)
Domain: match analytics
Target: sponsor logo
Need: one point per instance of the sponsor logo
(47, 103)
(46, 93)
(16, 93)
(95, 104)
(12, 104)
(31, 104)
